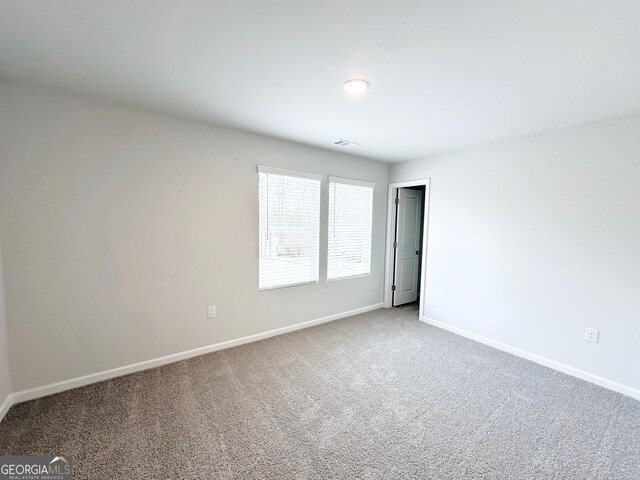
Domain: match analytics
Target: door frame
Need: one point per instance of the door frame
(391, 222)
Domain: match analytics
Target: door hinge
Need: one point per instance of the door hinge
(393, 288)
(397, 201)
(395, 244)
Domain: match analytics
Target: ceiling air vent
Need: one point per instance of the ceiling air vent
(345, 144)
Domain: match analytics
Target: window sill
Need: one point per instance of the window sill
(349, 277)
(278, 287)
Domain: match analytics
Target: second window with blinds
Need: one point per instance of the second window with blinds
(350, 221)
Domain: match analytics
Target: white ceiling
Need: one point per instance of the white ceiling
(444, 74)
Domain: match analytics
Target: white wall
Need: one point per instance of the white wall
(5, 378)
(121, 226)
(532, 240)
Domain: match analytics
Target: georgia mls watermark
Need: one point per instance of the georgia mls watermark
(55, 467)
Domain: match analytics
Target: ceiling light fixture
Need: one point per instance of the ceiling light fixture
(355, 86)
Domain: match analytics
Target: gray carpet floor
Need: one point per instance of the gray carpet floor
(378, 395)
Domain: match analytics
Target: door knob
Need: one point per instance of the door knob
(417, 252)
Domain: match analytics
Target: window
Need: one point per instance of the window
(350, 216)
(289, 227)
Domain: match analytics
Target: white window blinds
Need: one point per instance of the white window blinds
(350, 217)
(289, 227)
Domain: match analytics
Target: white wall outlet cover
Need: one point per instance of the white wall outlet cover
(211, 312)
(591, 334)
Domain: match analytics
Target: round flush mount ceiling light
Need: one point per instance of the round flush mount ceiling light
(355, 86)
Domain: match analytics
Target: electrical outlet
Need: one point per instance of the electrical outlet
(211, 311)
(591, 334)
(375, 282)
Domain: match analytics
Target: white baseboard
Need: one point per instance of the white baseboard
(37, 392)
(6, 405)
(561, 367)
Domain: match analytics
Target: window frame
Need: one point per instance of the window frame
(359, 183)
(296, 174)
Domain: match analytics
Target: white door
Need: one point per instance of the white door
(407, 246)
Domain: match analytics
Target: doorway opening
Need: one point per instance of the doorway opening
(406, 246)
